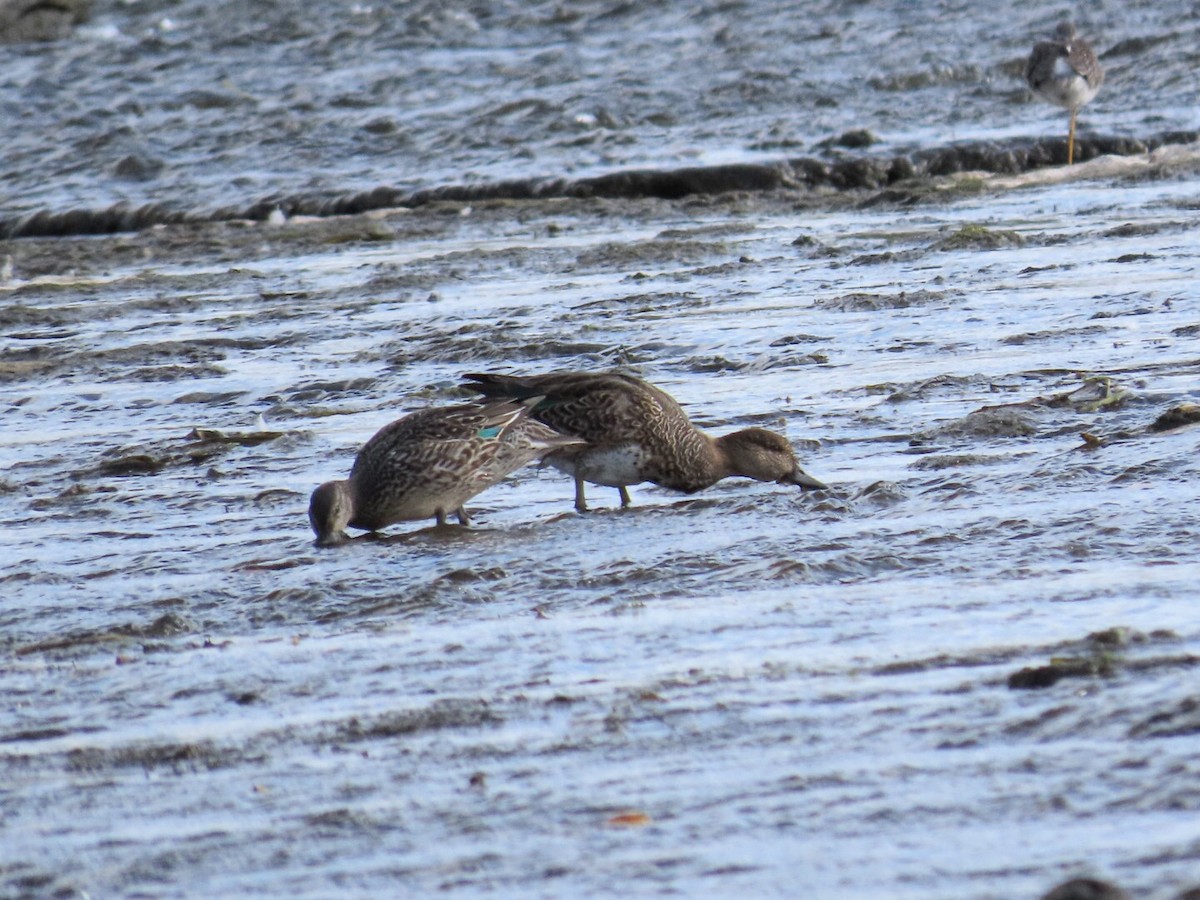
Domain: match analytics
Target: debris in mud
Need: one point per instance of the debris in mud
(1086, 889)
(856, 138)
(203, 445)
(977, 237)
(1026, 337)
(792, 339)
(860, 301)
(39, 734)
(1058, 669)
(131, 464)
(167, 625)
(180, 758)
(929, 387)
(881, 493)
(36, 20)
(1099, 655)
(1130, 229)
(815, 248)
(954, 461)
(888, 257)
(1183, 718)
(1097, 392)
(66, 496)
(240, 438)
(1008, 420)
(1177, 417)
(631, 819)
(438, 715)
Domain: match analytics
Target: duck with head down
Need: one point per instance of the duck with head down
(428, 464)
(636, 432)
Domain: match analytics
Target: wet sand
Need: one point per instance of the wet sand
(962, 671)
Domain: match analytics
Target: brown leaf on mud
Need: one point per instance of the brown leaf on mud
(631, 819)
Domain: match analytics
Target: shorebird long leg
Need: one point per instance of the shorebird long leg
(1071, 140)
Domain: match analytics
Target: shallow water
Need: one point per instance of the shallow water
(204, 106)
(738, 667)
(752, 690)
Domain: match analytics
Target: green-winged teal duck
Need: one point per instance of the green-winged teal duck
(636, 432)
(430, 463)
(1064, 71)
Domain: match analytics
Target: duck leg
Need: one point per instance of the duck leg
(580, 502)
(625, 501)
(1071, 139)
(463, 518)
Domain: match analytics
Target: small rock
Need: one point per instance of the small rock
(136, 167)
(36, 20)
(1177, 417)
(1086, 889)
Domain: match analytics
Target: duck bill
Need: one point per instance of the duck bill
(804, 481)
(331, 539)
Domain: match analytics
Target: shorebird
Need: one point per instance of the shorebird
(636, 432)
(1064, 71)
(430, 463)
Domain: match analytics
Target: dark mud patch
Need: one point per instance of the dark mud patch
(1103, 654)
(199, 447)
(176, 759)
(954, 461)
(979, 237)
(869, 302)
(939, 386)
(991, 422)
(1033, 337)
(1098, 393)
(168, 625)
(1180, 719)
(859, 174)
(499, 344)
(442, 714)
(1180, 416)
(1086, 889)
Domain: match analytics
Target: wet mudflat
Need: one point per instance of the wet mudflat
(966, 670)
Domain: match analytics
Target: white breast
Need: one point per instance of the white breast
(612, 466)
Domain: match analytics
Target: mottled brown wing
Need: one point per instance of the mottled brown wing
(605, 408)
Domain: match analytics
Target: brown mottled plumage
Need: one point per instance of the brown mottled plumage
(636, 432)
(1065, 71)
(430, 463)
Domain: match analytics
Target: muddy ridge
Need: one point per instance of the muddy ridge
(846, 173)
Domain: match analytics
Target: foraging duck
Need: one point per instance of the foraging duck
(636, 432)
(430, 463)
(1065, 71)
